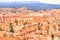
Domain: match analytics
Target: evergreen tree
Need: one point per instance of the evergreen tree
(38, 25)
(11, 28)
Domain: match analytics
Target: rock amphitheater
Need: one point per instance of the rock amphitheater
(23, 24)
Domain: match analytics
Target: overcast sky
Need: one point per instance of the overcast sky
(43, 1)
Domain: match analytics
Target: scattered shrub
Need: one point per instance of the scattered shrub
(1, 29)
(52, 36)
(25, 23)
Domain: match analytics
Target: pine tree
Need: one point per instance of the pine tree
(11, 28)
(38, 25)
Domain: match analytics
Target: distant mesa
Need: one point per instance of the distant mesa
(29, 5)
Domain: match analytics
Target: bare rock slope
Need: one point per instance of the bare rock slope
(23, 24)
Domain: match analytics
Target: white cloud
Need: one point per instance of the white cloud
(50, 1)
